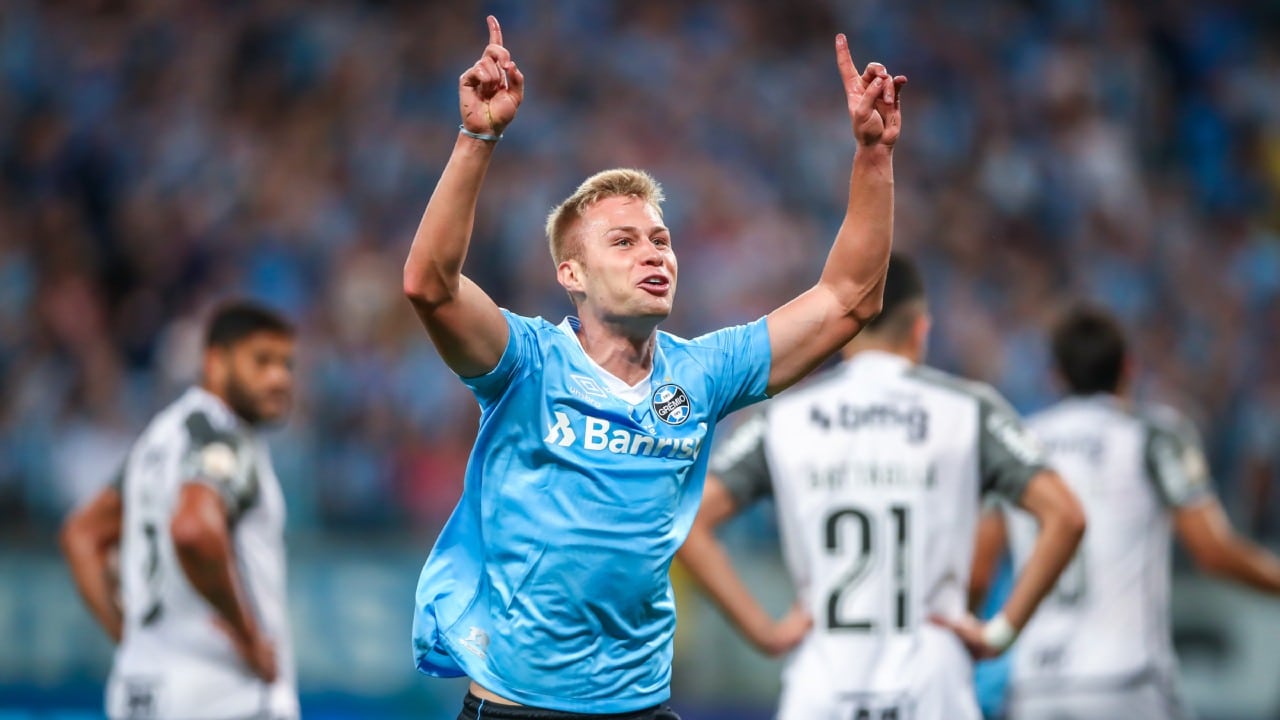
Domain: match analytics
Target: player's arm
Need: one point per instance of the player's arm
(466, 325)
(1055, 507)
(1062, 523)
(707, 561)
(988, 549)
(89, 536)
(806, 331)
(1177, 466)
(1206, 532)
(201, 532)
(1011, 464)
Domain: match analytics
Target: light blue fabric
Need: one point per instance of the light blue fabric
(549, 583)
(991, 677)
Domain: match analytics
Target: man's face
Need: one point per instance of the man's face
(626, 268)
(257, 376)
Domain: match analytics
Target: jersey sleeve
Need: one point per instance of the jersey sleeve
(522, 350)
(740, 372)
(214, 458)
(1008, 454)
(739, 461)
(1175, 461)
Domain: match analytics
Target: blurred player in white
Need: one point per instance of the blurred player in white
(1100, 646)
(197, 518)
(878, 469)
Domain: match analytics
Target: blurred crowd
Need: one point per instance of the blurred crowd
(156, 157)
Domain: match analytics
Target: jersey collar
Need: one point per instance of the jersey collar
(633, 394)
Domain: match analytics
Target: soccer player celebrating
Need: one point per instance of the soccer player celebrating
(197, 518)
(1100, 646)
(878, 469)
(548, 586)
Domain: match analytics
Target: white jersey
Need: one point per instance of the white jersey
(174, 663)
(1106, 623)
(878, 469)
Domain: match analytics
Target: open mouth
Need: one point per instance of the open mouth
(656, 285)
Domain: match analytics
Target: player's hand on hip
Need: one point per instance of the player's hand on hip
(970, 631)
(490, 91)
(788, 632)
(256, 651)
(874, 99)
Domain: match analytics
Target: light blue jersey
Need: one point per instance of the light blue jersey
(549, 583)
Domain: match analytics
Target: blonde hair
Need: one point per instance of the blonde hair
(619, 182)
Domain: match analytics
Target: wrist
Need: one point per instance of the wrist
(998, 633)
(490, 138)
(875, 150)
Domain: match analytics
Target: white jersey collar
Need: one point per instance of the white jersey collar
(633, 394)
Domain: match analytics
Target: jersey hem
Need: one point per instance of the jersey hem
(493, 684)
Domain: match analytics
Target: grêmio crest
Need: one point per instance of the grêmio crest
(671, 403)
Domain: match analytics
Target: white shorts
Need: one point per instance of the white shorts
(196, 696)
(1148, 698)
(936, 685)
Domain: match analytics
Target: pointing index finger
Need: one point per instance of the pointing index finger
(844, 61)
(495, 31)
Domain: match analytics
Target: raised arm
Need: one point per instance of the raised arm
(807, 330)
(89, 537)
(464, 323)
(709, 563)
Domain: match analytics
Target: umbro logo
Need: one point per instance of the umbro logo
(589, 386)
(671, 403)
(477, 641)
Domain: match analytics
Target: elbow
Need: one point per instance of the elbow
(1064, 520)
(1073, 522)
(869, 307)
(862, 302)
(1071, 517)
(71, 538)
(428, 285)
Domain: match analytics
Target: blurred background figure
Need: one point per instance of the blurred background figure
(155, 158)
(1100, 645)
(181, 557)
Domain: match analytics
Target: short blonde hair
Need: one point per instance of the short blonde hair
(624, 182)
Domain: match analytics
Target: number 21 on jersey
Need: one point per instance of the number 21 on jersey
(874, 548)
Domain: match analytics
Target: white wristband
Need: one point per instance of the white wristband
(998, 633)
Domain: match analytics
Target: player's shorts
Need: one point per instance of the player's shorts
(473, 708)
(196, 695)
(939, 687)
(1149, 697)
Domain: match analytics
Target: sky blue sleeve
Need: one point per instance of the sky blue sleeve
(521, 354)
(740, 369)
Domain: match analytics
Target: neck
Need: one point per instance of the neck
(618, 348)
(222, 398)
(1113, 395)
(865, 342)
